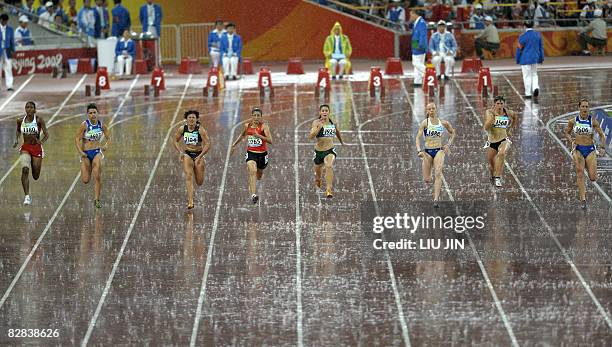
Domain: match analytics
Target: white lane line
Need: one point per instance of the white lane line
(14, 94)
(47, 227)
(398, 302)
(110, 278)
(48, 122)
(298, 223)
(568, 259)
(211, 247)
(556, 138)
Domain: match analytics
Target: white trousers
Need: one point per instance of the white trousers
(530, 78)
(449, 62)
(5, 64)
(215, 57)
(418, 62)
(230, 66)
(334, 62)
(124, 61)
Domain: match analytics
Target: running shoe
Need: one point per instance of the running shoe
(584, 204)
(254, 198)
(329, 194)
(498, 182)
(27, 200)
(436, 204)
(190, 205)
(98, 204)
(486, 145)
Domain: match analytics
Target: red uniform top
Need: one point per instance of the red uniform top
(255, 144)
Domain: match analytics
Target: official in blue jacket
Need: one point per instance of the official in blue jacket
(214, 43)
(419, 46)
(151, 18)
(88, 20)
(7, 48)
(231, 51)
(529, 53)
(125, 51)
(121, 19)
(443, 47)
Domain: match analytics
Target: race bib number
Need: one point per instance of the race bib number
(190, 139)
(329, 131)
(254, 141)
(501, 122)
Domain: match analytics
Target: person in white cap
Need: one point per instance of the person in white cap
(443, 47)
(476, 20)
(487, 39)
(23, 37)
(48, 17)
(599, 34)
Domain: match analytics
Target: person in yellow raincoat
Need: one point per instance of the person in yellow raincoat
(337, 50)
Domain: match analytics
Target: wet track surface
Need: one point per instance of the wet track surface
(297, 268)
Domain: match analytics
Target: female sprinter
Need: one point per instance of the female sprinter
(258, 137)
(324, 130)
(432, 129)
(88, 142)
(584, 126)
(498, 124)
(31, 152)
(196, 145)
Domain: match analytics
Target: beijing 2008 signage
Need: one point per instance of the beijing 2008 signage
(41, 61)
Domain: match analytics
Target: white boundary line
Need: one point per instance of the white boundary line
(398, 302)
(568, 259)
(48, 122)
(483, 270)
(556, 138)
(48, 226)
(14, 94)
(211, 247)
(298, 224)
(111, 276)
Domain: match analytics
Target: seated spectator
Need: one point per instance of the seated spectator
(443, 47)
(476, 20)
(58, 23)
(74, 29)
(396, 14)
(337, 51)
(47, 18)
(599, 35)
(125, 51)
(72, 11)
(231, 51)
(42, 8)
(517, 14)
(542, 17)
(59, 10)
(28, 9)
(488, 39)
(23, 37)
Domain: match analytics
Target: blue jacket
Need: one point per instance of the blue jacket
(144, 18)
(26, 36)
(236, 45)
(214, 40)
(8, 45)
(449, 42)
(128, 46)
(89, 29)
(121, 20)
(41, 9)
(419, 37)
(105, 14)
(531, 49)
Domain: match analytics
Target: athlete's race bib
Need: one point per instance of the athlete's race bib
(501, 122)
(190, 138)
(93, 135)
(254, 141)
(329, 130)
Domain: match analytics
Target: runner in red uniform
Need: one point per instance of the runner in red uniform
(258, 136)
(31, 152)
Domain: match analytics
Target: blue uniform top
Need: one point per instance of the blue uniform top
(419, 37)
(531, 49)
(583, 126)
(121, 20)
(433, 130)
(93, 132)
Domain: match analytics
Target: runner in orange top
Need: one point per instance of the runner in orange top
(258, 137)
